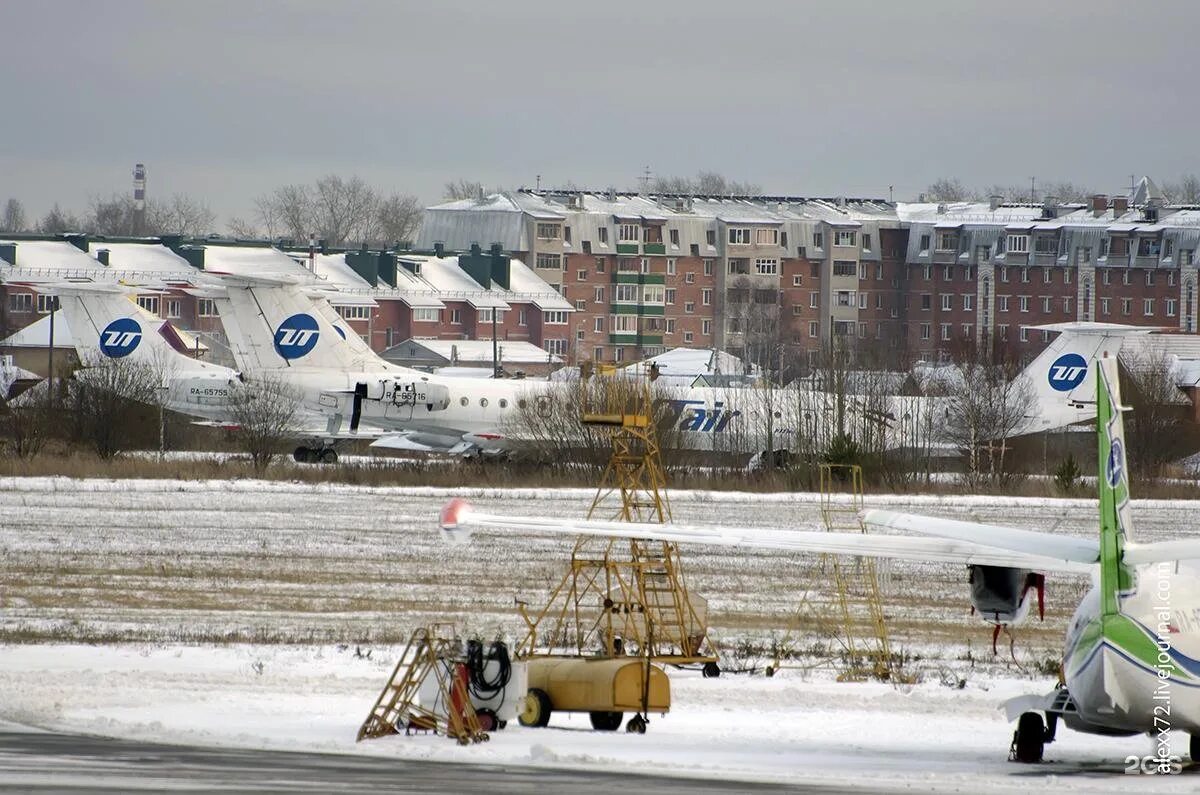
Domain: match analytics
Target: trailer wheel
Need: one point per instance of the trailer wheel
(487, 719)
(711, 670)
(536, 711)
(603, 721)
(636, 725)
(1029, 740)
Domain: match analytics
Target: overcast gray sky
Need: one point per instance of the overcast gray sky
(227, 100)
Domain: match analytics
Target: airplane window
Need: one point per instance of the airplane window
(464, 401)
(521, 403)
(483, 402)
(503, 403)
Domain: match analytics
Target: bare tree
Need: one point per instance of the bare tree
(462, 189)
(1157, 429)
(1065, 190)
(1185, 191)
(105, 401)
(25, 429)
(179, 215)
(984, 409)
(705, 183)
(242, 229)
(397, 217)
(58, 221)
(13, 219)
(265, 412)
(948, 189)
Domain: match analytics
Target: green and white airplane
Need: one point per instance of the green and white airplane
(1131, 663)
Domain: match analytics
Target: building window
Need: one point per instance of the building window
(1149, 278)
(739, 237)
(706, 326)
(1148, 306)
(558, 347)
(549, 261)
(1023, 303)
(766, 267)
(173, 308)
(924, 247)
(670, 295)
(818, 240)
(149, 303)
(671, 266)
(670, 325)
(603, 235)
(1018, 244)
(485, 315)
(521, 319)
(708, 267)
(926, 302)
(623, 324)
(813, 300)
(554, 317)
(1067, 304)
(844, 267)
(843, 237)
(653, 294)
(797, 310)
(599, 264)
(689, 277)
(1003, 303)
(1171, 307)
(945, 329)
(598, 354)
(1104, 306)
(797, 280)
(1126, 306)
(968, 302)
(426, 315)
(1148, 247)
(1125, 278)
(814, 328)
(456, 317)
(674, 233)
(947, 241)
(947, 302)
(598, 324)
(706, 296)
(710, 237)
(1170, 278)
(1047, 276)
(625, 294)
(355, 312)
(548, 231)
(687, 337)
(1045, 244)
(766, 237)
(845, 298)
(863, 298)
(581, 276)
(1186, 256)
(598, 295)
(20, 302)
(206, 307)
(1046, 304)
(947, 273)
(628, 233)
(866, 241)
(580, 305)
(689, 307)
(1024, 335)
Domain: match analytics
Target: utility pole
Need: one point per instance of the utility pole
(1032, 190)
(50, 353)
(495, 348)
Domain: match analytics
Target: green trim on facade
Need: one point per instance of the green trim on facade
(628, 248)
(655, 248)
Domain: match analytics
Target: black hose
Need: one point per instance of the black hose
(483, 688)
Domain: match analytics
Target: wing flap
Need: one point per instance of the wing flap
(1162, 551)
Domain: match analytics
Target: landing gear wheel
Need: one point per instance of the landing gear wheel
(1194, 747)
(606, 721)
(636, 725)
(536, 711)
(487, 719)
(770, 671)
(1029, 740)
(711, 670)
(300, 454)
(328, 456)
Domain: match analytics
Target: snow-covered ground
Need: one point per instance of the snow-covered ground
(163, 571)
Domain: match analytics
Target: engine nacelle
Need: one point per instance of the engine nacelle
(434, 397)
(1002, 595)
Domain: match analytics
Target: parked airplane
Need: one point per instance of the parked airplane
(1131, 662)
(110, 328)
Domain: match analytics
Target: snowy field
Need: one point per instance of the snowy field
(240, 613)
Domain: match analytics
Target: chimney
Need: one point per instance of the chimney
(102, 255)
(994, 202)
(1120, 205)
(439, 250)
(8, 253)
(1050, 207)
(1099, 204)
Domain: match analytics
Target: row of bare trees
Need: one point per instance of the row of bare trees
(1184, 190)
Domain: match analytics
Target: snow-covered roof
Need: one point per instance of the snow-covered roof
(691, 362)
(143, 258)
(333, 269)
(467, 351)
(42, 260)
(252, 261)
(10, 374)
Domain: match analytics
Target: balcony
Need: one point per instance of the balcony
(628, 247)
(654, 248)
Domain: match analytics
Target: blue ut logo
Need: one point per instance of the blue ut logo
(1067, 372)
(1115, 469)
(120, 337)
(296, 336)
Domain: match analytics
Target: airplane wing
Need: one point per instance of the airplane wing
(1030, 542)
(457, 519)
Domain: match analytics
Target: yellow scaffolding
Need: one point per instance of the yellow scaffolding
(869, 654)
(624, 596)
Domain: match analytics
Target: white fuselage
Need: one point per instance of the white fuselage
(1139, 670)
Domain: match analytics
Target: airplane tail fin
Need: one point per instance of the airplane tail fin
(273, 325)
(107, 326)
(1062, 376)
(1116, 577)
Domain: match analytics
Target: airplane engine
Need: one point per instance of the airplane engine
(1001, 595)
(435, 397)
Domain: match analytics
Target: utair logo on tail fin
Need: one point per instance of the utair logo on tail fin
(1067, 372)
(296, 336)
(120, 337)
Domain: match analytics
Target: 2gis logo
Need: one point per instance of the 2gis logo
(120, 337)
(296, 336)
(1067, 372)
